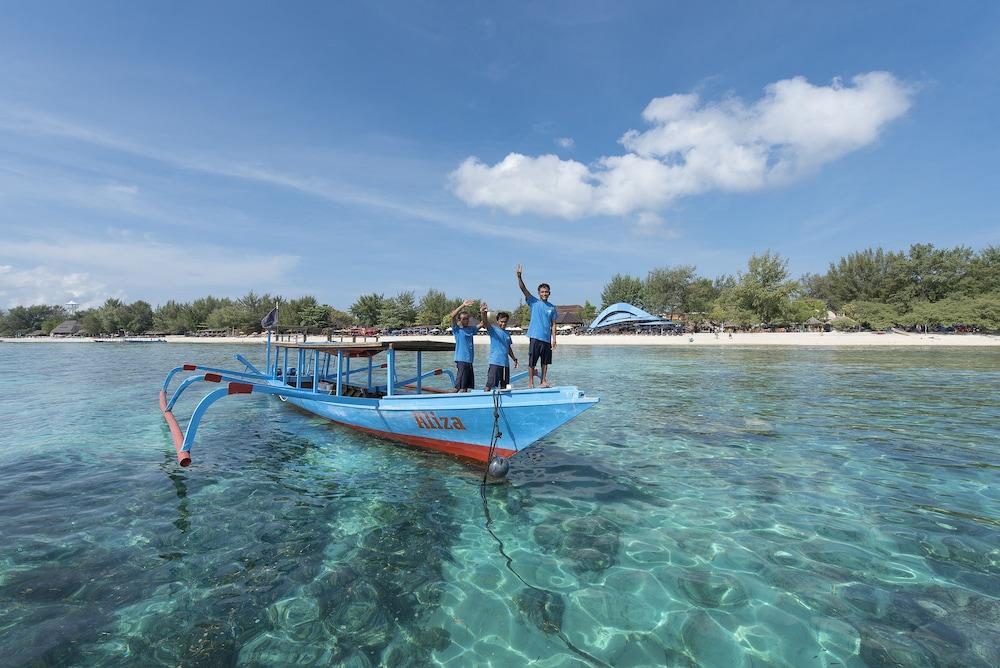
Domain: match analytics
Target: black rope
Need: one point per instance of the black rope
(497, 434)
(589, 658)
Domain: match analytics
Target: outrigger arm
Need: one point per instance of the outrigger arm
(240, 382)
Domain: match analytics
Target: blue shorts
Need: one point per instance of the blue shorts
(497, 376)
(539, 351)
(465, 378)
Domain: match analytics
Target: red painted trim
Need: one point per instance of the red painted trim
(438, 372)
(213, 378)
(183, 458)
(240, 388)
(479, 453)
(190, 367)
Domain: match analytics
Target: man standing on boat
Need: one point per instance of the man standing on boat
(463, 333)
(541, 330)
(499, 373)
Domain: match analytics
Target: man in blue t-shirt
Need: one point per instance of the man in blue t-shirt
(499, 372)
(463, 333)
(541, 330)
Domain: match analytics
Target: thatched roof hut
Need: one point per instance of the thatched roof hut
(66, 328)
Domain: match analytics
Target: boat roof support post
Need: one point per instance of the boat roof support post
(390, 371)
(315, 372)
(369, 373)
(284, 368)
(300, 362)
(340, 376)
(267, 364)
(419, 370)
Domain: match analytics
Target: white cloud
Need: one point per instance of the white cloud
(42, 285)
(565, 142)
(137, 267)
(694, 147)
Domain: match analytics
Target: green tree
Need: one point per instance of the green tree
(699, 295)
(434, 307)
(665, 288)
(984, 272)
(22, 320)
(521, 316)
(873, 315)
(173, 318)
(138, 317)
(315, 317)
(868, 275)
(727, 306)
(200, 309)
(622, 288)
(226, 316)
(803, 308)
(399, 311)
(368, 308)
(844, 324)
(51, 323)
(90, 322)
(931, 274)
(587, 312)
(817, 286)
(340, 319)
(764, 289)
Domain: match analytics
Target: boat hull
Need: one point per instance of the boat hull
(460, 424)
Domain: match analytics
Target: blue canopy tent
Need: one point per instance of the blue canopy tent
(622, 314)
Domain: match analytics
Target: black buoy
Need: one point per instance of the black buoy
(498, 467)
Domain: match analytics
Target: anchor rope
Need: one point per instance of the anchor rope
(497, 434)
(588, 658)
(494, 439)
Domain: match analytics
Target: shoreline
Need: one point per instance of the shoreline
(795, 339)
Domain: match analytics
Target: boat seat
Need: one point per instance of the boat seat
(356, 391)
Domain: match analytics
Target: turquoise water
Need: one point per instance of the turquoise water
(720, 507)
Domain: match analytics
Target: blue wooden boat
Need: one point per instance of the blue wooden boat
(348, 384)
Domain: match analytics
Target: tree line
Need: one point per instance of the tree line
(877, 289)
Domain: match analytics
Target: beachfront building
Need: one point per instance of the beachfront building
(569, 318)
(626, 317)
(66, 328)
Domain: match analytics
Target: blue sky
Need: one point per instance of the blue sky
(172, 150)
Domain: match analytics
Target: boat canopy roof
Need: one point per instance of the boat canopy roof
(371, 348)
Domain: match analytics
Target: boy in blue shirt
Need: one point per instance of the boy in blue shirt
(541, 330)
(465, 380)
(499, 373)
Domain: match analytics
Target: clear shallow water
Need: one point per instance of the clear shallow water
(754, 507)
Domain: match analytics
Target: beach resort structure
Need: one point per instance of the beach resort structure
(622, 315)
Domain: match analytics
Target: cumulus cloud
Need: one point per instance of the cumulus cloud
(694, 147)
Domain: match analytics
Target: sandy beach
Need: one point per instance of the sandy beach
(825, 339)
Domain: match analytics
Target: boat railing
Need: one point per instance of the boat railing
(256, 375)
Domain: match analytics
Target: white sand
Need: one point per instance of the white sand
(827, 339)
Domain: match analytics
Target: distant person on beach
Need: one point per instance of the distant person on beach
(541, 330)
(463, 332)
(500, 349)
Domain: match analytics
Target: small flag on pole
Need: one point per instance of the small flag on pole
(270, 320)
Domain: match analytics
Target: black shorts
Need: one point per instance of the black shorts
(539, 351)
(498, 376)
(464, 377)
